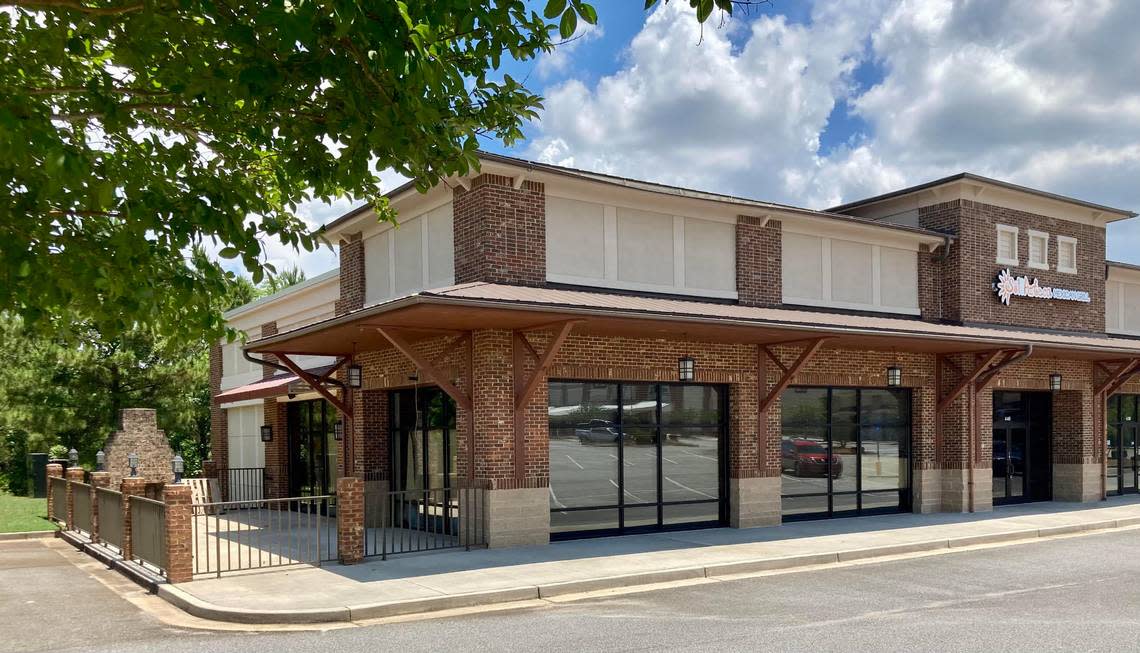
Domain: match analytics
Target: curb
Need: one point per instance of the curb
(206, 610)
(29, 535)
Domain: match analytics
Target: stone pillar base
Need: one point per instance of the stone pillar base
(956, 490)
(754, 501)
(927, 491)
(517, 517)
(1076, 482)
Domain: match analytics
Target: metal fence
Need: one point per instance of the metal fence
(242, 483)
(110, 526)
(238, 535)
(58, 489)
(81, 508)
(423, 520)
(148, 527)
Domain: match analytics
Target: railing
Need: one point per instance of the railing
(110, 526)
(148, 527)
(81, 508)
(242, 483)
(412, 521)
(58, 489)
(239, 535)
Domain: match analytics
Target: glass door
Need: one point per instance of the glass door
(423, 455)
(1123, 443)
(314, 464)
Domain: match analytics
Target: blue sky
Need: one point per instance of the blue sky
(819, 102)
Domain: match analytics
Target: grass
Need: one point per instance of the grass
(21, 514)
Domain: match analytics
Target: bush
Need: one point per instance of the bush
(57, 452)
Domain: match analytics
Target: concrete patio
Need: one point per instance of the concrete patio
(445, 580)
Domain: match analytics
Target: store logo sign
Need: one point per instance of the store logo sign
(1008, 286)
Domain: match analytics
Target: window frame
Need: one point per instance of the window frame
(1039, 235)
(1003, 229)
(1062, 241)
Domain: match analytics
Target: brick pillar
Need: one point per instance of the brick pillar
(753, 485)
(351, 275)
(129, 487)
(759, 261)
(350, 519)
(98, 480)
(1077, 462)
(178, 534)
(73, 475)
(53, 470)
(500, 231)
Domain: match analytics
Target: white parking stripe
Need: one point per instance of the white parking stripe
(555, 497)
(686, 487)
(574, 461)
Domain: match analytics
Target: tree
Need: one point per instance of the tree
(138, 133)
(291, 276)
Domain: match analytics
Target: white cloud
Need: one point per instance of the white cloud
(558, 60)
(1040, 92)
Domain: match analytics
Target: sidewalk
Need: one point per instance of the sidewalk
(448, 580)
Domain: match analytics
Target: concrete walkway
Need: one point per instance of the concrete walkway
(456, 579)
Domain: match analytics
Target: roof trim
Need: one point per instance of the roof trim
(441, 297)
(1123, 265)
(969, 176)
(282, 294)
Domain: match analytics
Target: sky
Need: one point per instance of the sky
(816, 103)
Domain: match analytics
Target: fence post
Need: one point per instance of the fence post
(53, 470)
(178, 533)
(131, 486)
(350, 519)
(98, 480)
(74, 475)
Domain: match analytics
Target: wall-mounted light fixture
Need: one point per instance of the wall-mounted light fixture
(1055, 382)
(894, 376)
(133, 463)
(338, 430)
(686, 368)
(355, 376)
(266, 432)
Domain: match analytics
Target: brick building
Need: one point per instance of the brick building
(606, 355)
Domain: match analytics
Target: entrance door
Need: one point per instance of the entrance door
(313, 462)
(1022, 464)
(1123, 444)
(423, 454)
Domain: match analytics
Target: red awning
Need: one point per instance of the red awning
(271, 387)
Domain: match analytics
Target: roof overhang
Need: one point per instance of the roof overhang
(490, 306)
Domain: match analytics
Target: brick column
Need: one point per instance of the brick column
(53, 470)
(129, 487)
(178, 533)
(73, 475)
(1077, 463)
(759, 256)
(350, 519)
(98, 480)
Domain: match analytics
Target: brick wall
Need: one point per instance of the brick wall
(759, 266)
(139, 433)
(500, 232)
(219, 425)
(969, 272)
(352, 282)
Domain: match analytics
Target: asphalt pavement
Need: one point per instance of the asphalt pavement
(1072, 593)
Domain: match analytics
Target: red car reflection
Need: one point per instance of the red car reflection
(808, 458)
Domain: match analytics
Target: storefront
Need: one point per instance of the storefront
(845, 452)
(1022, 440)
(1123, 444)
(634, 457)
(314, 462)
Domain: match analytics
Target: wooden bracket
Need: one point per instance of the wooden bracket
(986, 361)
(788, 372)
(524, 386)
(1008, 358)
(430, 368)
(318, 382)
(1118, 377)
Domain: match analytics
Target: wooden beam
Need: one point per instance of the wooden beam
(786, 378)
(526, 345)
(451, 332)
(317, 384)
(1119, 377)
(429, 368)
(775, 359)
(543, 362)
(547, 325)
(965, 381)
(1010, 357)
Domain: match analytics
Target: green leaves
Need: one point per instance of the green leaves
(570, 11)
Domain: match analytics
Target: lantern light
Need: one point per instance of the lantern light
(338, 430)
(355, 376)
(133, 463)
(1055, 382)
(100, 461)
(266, 432)
(73, 457)
(894, 376)
(686, 368)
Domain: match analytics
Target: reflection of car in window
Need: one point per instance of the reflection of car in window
(596, 431)
(808, 458)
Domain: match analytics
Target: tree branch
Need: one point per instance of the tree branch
(74, 5)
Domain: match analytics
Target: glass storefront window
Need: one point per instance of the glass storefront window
(635, 455)
(844, 450)
(1123, 444)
